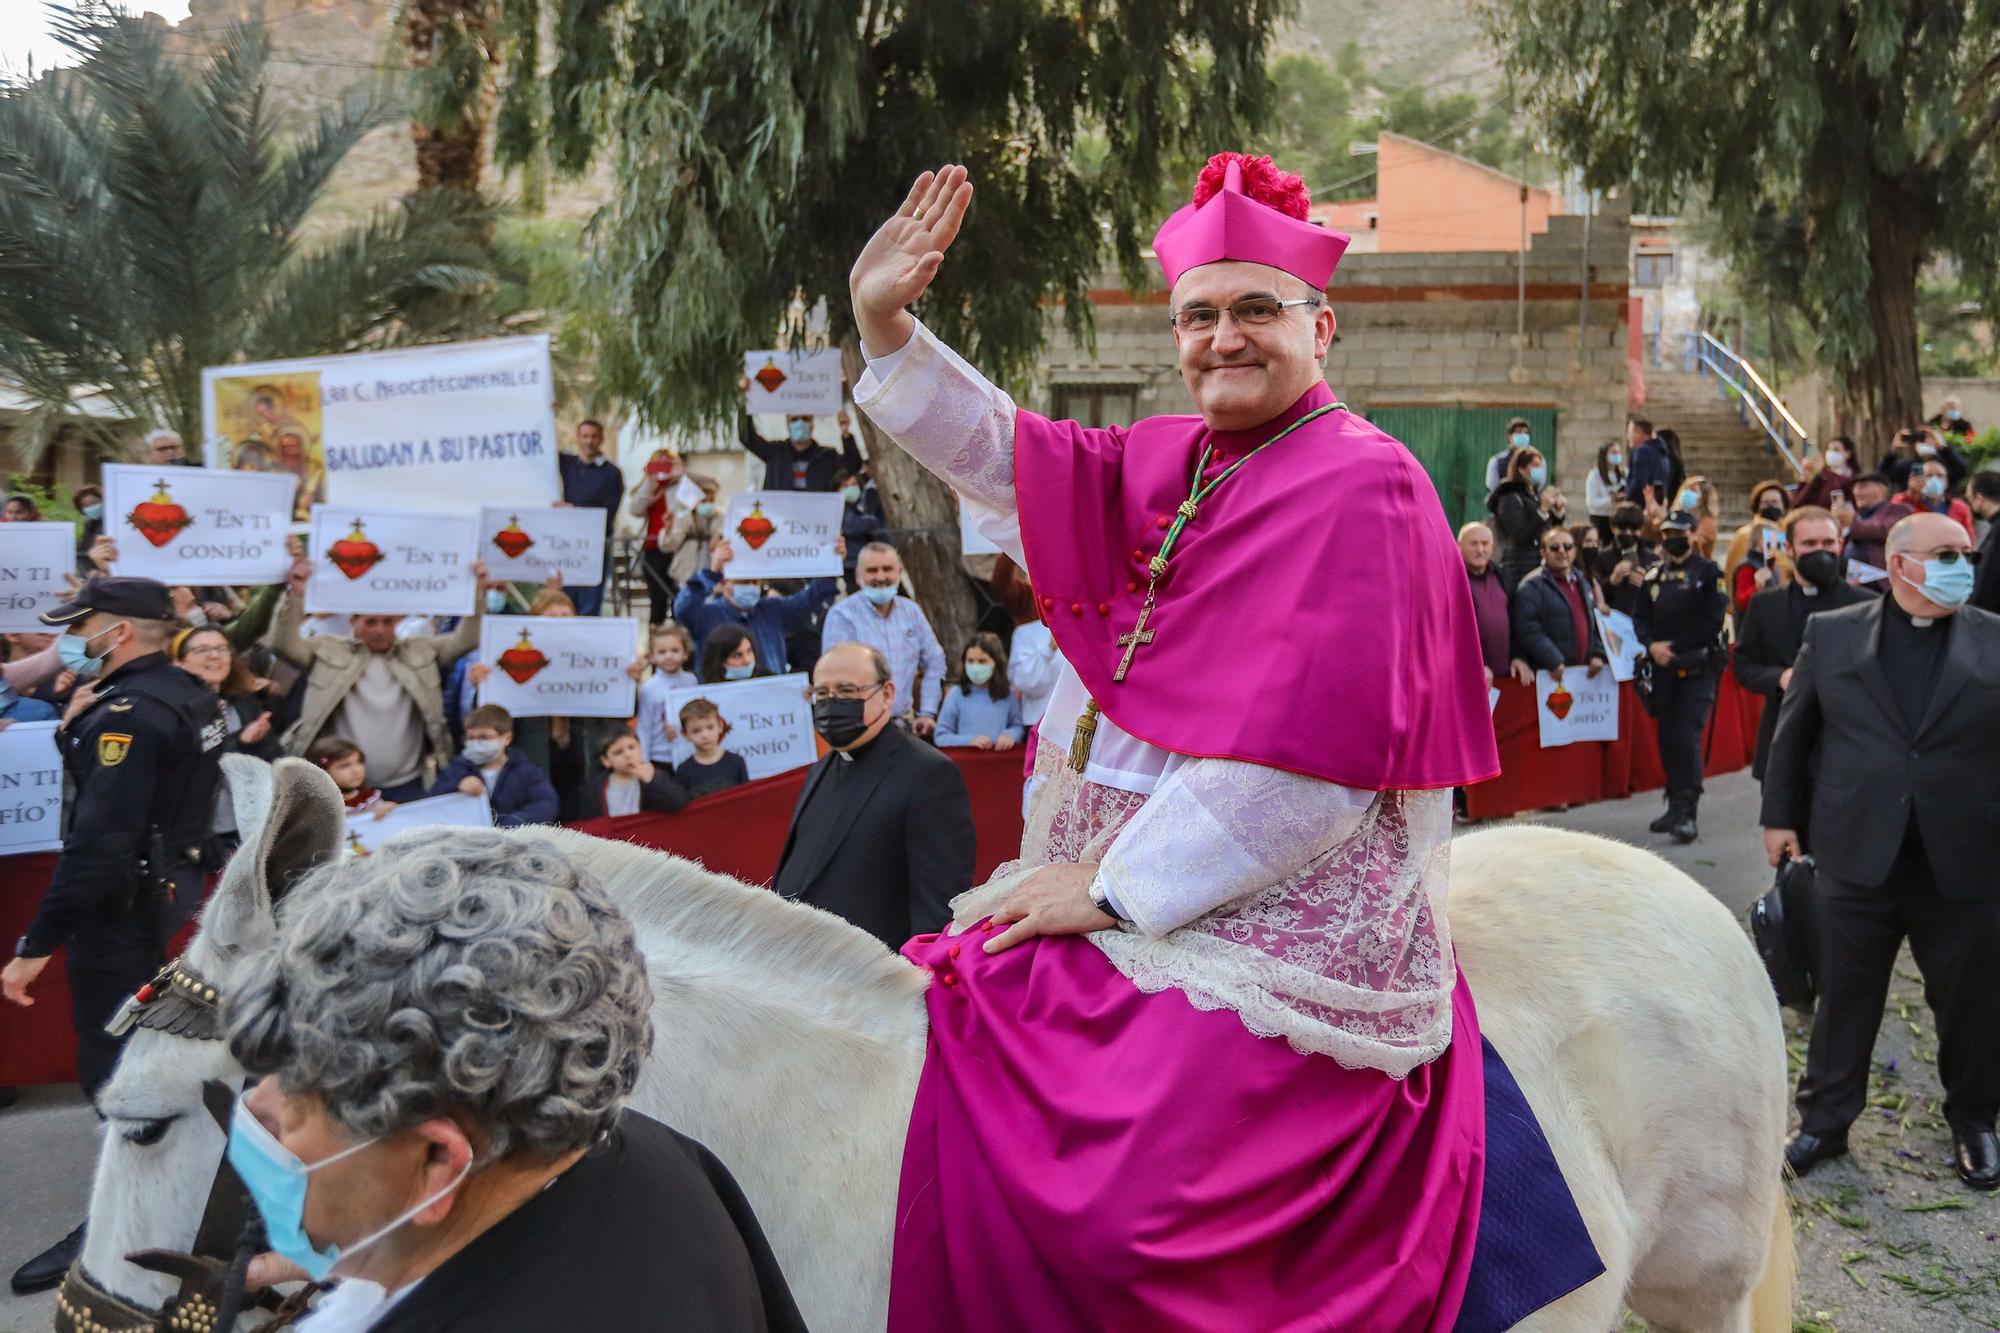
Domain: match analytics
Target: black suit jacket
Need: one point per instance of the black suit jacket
(1768, 639)
(887, 848)
(1841, 729)
(1986, 592)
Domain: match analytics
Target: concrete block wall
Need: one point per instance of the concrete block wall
(1420, 329)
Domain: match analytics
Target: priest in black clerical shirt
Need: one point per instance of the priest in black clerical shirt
(1890, 717)
(882, 835)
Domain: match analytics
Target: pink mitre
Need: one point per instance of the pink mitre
(1245, 208)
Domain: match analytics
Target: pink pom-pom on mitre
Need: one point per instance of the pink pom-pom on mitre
(1262, 181)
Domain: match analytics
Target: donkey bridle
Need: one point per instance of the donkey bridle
(183, 1003)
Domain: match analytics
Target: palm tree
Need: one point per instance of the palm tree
(153, 221)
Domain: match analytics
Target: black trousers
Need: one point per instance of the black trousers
(656, 565)
(1680, 708)
(105, 963)
(1955, 944)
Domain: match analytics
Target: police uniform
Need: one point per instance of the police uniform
(1682, 603)
(141, 765)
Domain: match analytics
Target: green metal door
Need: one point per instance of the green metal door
(1454, 443)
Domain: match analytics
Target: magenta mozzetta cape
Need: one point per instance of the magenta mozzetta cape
(1315, 616)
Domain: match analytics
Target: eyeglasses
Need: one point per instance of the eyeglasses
(1946, 556)
(1250, 312)
(1559, 546)
(206, 650)
(821, 693)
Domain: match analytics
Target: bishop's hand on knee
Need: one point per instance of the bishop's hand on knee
(1053, 900)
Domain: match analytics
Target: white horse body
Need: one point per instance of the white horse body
(1626, 1001)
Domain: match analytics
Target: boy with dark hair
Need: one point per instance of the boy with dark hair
(516, 788)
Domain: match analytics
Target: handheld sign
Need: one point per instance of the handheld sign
(381, 561)
(367, 831)
(31, 789)
(794, 383)
(526, 545)
(1621, 643)
(1578, 708)
(559, 666)
(770, 720)
(782, 535)
(34, 557)
(197, 525)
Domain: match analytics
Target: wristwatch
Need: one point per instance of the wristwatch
(1100, 898)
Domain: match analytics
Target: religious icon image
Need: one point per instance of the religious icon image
(354, 555)
(513, 540)
(274, 423)
(522, 661)
(160, 519)
(1560, 701)
(755, 529)
(770, 377)
(355, 847)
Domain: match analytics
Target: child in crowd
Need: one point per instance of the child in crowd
(670, 650)
(348, 767)
(982, 712)
(517, 790)
(630, 782)
(710, 768)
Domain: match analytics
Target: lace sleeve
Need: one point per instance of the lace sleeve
(947, 415)
(1218, 830)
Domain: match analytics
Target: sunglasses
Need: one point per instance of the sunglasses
(1947, 557)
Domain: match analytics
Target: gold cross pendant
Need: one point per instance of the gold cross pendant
(1139, 634)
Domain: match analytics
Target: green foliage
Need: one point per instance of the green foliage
(1955, 341)
(756, 146)
(1983, 449)
(154, 220)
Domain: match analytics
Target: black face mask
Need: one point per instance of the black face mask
(1819, 568)
(839, 721)
(1625, 538)
(1677, 544)
(1772, 512)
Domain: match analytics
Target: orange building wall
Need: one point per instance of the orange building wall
(1429, 200)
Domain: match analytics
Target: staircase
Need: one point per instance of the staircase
(1715, 443)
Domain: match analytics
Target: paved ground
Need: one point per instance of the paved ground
(1888, 1240)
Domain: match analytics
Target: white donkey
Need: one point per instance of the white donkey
(1627, 1002)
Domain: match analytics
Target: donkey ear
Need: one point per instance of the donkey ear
(301, 828)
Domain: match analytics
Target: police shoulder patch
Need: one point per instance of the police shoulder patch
(112, 747)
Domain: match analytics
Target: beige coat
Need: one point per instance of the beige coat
(334, 666)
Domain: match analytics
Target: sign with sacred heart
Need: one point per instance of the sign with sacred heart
(367, 830)
(36, 560)
(526, 544)
(794, 383)
(770, 720)
(559, 666)
(782, 535)
(198, 526)
(390, 561)
(31, 772)
(1576, 707)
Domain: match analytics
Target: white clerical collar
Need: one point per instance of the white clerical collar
(1923, 622)
(1809, 588)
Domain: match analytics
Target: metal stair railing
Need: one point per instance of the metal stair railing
(1755, 400)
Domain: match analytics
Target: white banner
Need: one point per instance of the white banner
(770, 720)
(461, 424)
(366, 831)
(794, 383)
(559, 666)
(527, 545)
(198, 526)
(31, 788)
(383, 561)
(34, 557)
(782, 535)
(1580, 708)
(1621, 642)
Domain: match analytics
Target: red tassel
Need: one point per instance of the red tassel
(1262, 181)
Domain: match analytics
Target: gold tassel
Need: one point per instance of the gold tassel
(1086, 731)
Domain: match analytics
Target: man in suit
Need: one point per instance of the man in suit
(882, 835)
(1889, 717)
(1774, 623)
(1983, 494)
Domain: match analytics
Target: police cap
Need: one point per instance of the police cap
(141, 599)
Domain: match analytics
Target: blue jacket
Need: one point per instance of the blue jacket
(1544, 629)
(519, 794)
(700, 610)
(1650, 466)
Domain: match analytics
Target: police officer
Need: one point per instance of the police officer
(141, 752)
(1679, 619)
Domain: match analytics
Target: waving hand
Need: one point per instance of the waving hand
(901, 258)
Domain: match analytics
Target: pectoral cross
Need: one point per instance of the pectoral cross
(1139, 634)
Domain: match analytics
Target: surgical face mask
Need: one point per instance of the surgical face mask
(1836, 458)
(1689, 499)
(1819, 568)
(706, 509)
(482, 753)
(496, 600)
(1519, 439)
(1538, 475)
(979, 672)
(851, 494)
(1933, 488)
(840, 721)
(1927, 450)
(743, 596)
(801, 431)
(1948, 583)
(74, 652)
(743, 672)
(1953, 414)
(1676, 544)
(1615, 459)
(880, 595)
(93, 511)
(276, 1181)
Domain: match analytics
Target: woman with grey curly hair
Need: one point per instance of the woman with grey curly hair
(446, 1035)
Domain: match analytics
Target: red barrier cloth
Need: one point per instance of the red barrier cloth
(738, 832)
